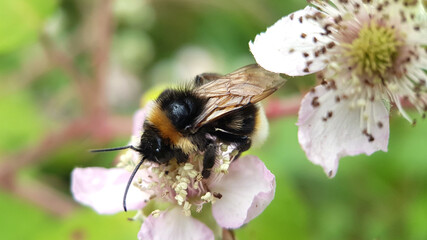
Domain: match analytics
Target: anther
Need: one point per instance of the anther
(315, 102)
(217, 195)
(323, 50)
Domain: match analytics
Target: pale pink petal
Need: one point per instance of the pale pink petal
(138, 121)
(289, 45)
(103, 189)
(139, 118)
(173, 224)
(330, 129)
(246, 191)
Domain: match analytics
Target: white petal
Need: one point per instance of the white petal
(103, 189)
(281, 48)
(173, 224)
(246, 191)
(326, 141)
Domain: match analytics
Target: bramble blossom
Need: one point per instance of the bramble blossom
(238, 189)
(367, 55)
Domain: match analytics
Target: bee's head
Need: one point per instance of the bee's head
(153, 147)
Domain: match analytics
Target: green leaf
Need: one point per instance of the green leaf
(21, 123)
(21, 21)
(20, 220)
(86, 224)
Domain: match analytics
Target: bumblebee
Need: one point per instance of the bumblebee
(216, 108)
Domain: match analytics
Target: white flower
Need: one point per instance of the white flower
(367, 54)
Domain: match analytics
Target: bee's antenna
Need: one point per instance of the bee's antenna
(115, 149)
(130, 181)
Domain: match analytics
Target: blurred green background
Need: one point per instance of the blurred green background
(72, 73)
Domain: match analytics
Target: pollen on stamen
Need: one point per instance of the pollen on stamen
(224, 148)
(223, 168)
(374, 50)
(156, 213)
(234, 153)
(208, 197)
(187, 209)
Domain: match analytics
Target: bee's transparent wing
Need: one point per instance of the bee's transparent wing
(249, 84)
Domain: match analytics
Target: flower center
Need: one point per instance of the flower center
(374, 50)
(181, 184)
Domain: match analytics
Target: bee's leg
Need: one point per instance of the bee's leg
(244, 145)
(180, 156)
(204, 78)
(243, 142)
(209, 160)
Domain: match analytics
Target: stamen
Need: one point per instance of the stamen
(374, 50)
(156, 213)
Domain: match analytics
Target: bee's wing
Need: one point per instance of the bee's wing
(249, 84)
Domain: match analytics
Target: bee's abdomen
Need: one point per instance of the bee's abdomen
(261, 129)
(239, 122)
